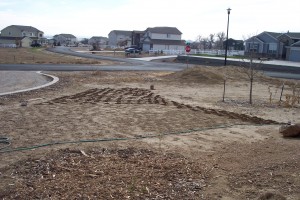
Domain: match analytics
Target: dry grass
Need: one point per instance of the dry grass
(41, 56)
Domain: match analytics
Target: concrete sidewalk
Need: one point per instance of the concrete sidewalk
(154, 58)
(20, 81)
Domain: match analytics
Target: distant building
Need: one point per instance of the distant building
(119, 38)
(65, 39)
(136, 38)
(162, 38)
(234, 44)
(276, 45)
(21, 36)
(98, 41)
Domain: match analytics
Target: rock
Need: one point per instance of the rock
(271, 196)
(292, 130)
(23, 103)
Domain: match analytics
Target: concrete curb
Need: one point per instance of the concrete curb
(54, 80)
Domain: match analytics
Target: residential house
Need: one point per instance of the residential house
(234, 44)
(98, 41)
(276, 45)
(119, 38)
(162, 38)
(287, 40)
(136, 38)
(65, 39)
(264, 44)
(21, 36)
(293, 52)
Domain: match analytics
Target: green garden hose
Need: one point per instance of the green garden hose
(7, 141)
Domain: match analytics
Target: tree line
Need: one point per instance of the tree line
(213, 41)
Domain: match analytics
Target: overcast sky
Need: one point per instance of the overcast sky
(86, 18)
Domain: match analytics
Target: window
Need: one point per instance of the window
(9, 33)
(168, 35)
(253, 47)
(272, 48)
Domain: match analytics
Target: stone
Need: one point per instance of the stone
(292, 130)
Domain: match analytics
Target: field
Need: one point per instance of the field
(41, 56)
(107, 135)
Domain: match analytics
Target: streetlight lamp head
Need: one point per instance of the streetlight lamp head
(228, 11)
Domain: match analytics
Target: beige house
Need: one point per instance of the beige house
(65, 39)
(162, 38)
(22, 36)
(119, 38)
(15, 42)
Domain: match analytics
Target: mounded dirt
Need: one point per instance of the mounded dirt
(106, 135)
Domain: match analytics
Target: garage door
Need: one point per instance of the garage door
(295, 55)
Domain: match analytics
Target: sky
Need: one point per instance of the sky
(87, 18)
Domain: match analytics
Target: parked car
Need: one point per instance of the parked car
(133, 46)
(36, 45)
(132, 50)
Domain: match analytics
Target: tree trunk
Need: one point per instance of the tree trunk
(250, 97)
(224, 90)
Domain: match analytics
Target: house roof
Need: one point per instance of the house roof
(25, 28)
(251, 39)
(66, 35)
(231, 39)
(98, 38)
(164, 30)
(273, 34)
(140, 32)
(296, 44)
(165, 42)
(127, 33)
(294, 35)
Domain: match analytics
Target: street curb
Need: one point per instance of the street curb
(54, 80)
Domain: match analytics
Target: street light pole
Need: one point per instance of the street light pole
(228, 12)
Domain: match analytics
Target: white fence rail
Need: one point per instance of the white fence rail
(8, 45)
(196, 51)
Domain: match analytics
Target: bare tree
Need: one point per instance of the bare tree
(220, 40)
(197, 43)
(250, 67)
(205, 43)
(198, 38)
(122, 43)
(211, 40)
(84, 41)
(18, 43)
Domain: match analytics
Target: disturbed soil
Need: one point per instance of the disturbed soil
(42, 56)
(107, 135)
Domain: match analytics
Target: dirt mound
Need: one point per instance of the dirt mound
(208, 75)
(216, 75)
(106, 174)
(196, 74)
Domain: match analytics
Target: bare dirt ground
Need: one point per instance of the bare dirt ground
(106, 135)
(40, 55)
